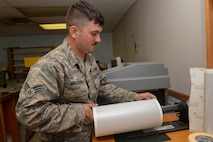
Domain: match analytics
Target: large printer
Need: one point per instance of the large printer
(144, 76)
(140, 76)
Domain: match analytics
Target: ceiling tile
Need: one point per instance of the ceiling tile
(46, 20)
(44, 11)
(3, 4)
(51, 11)
(39, 3)
(10, 13)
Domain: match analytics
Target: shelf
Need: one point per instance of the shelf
(18, 72)
(16, 57)
(34, 51)
(18, 65)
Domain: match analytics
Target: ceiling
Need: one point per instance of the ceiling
(21, 17)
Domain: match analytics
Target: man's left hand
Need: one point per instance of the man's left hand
(144, 96)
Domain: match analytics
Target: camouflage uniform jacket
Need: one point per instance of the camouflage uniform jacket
(52, 97)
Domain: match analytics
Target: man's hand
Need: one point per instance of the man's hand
(88, 111)
(144, 96)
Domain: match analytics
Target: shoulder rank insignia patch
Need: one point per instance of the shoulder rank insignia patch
(30, 91)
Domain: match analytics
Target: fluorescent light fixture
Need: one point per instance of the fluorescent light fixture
(58, 26)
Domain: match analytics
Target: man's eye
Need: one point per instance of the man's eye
(94, 34)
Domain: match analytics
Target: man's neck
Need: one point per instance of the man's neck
(73, 46)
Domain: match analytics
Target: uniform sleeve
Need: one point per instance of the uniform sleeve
(112, 93)
(37, 108)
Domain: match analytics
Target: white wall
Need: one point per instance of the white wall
(103, 51)
(169, 31)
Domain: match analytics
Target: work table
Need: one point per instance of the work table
(8, 122)
(13, 86)
(177, 136)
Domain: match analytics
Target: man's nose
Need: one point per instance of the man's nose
(98, 38)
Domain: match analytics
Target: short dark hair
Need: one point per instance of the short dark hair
(83, 10)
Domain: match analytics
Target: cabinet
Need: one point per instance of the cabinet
(16, 57)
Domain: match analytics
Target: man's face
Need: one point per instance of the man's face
(88, 37)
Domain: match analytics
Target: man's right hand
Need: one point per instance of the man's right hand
(88, 113)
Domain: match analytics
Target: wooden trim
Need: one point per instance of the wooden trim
(10, 62)
(209, 33)
(178, 95)
(2, 124)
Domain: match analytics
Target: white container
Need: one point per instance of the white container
(118, 61)
(208, 99)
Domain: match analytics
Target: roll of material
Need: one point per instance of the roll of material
(200, 137)
(126, 117)
(208, 99)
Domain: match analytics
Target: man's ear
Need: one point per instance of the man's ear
(73, 30)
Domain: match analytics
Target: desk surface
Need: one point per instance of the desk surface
(13, 86)
(178, 136)
(8, 122)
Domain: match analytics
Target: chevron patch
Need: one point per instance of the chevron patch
(30, 91)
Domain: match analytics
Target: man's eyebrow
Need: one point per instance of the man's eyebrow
(95, 32)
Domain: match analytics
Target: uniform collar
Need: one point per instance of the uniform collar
(71, 56)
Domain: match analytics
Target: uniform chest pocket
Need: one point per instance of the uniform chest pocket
(74, 83)
(76, 90)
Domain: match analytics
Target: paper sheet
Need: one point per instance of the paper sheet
(196, 101)
(201, 98)
(126, 117)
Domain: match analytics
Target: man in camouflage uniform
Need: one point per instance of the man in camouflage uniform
(60, 90)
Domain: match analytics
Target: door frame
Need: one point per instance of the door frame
(209, 33)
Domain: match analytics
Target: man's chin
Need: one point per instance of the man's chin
(92, 49)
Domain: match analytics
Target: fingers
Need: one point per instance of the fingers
(88, 113)
(91, 105)
(144, 96)
(149, 96)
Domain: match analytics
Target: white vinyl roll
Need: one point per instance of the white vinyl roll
(200, 137)
(208, 99)
(126, 117)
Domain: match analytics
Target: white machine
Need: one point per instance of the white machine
(138, 76)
